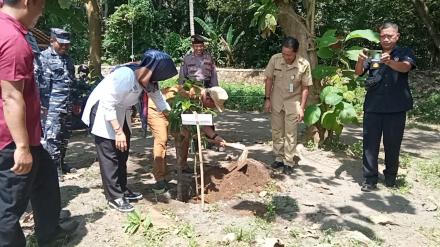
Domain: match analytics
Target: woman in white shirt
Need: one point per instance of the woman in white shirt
(108, 114)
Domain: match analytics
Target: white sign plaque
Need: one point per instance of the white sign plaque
(194, 119)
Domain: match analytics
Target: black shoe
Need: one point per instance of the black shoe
(132, 196)
(68, 169)
(160, 187)
(121, 204)
(390, 184)
(62, 234)
(64, 216)
(277, 164)
(288, 170)
(368, 187)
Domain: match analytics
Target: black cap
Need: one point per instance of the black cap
(197, 39)
(60, 35)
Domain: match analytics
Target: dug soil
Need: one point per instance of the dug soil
(220, 184)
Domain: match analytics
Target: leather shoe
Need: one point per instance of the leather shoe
(63, 234)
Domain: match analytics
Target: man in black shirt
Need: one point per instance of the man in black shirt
(386, 102)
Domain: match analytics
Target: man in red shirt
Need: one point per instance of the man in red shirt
(26, 172)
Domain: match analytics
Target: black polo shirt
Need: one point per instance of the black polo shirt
(393, 93)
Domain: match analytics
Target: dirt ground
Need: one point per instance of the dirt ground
(316, 205)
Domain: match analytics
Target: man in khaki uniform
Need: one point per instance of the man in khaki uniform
(288, 78)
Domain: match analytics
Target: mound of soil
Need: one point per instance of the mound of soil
(223, 185)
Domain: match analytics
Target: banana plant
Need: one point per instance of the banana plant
(340, 101)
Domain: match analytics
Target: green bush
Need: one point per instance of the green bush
(426, 108)
(244, 97)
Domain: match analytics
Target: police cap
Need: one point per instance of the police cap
(60, 35)
(197, 39)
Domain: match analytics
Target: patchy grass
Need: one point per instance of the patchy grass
(430, 171)
(355, 150)
(432, 234)
(247, 234)
(403, 186)
(405, 160)
(142, 224)
(186, 230)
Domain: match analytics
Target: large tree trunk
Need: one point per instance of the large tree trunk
(302, 29)
(423, 12)
(94, 21)
(293, 25)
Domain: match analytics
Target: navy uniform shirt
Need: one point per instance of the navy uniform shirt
(59, 75)
(392, 94)
(199, 68)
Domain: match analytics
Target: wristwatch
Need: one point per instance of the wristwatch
(266, 97)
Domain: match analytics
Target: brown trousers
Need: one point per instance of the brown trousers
(284, 136)
(158, 124)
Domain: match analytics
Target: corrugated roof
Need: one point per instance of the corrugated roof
(43, 39)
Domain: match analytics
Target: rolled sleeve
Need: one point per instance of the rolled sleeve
(409, 56)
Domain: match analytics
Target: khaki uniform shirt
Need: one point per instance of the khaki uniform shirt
(287, 82)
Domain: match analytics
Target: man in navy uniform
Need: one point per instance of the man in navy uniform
(387, 100)
(59, 74)
(199, 65)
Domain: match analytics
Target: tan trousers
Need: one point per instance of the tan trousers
(284, 136)
(158, 124)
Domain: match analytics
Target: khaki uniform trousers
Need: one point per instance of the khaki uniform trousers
(158, 124)
(284, 136)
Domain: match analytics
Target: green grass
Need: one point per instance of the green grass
(242, 96)
(430, 171)
(426, 108)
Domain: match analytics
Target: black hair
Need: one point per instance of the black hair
(291, 42)
(389, 25)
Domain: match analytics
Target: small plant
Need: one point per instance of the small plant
(311, 145)
(186, 230)
(329, 235)
(242, 234)
(136, 221)
(402, 184)
(405, 161)
(295, 233)
(271, 189)
(355, 150)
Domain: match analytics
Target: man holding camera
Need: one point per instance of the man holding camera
(386, 102)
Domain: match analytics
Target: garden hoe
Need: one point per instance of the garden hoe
(241, 162)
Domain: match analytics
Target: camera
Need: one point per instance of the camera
(375, 56)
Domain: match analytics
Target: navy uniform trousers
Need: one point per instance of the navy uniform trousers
(40, 186)
(391, 126)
